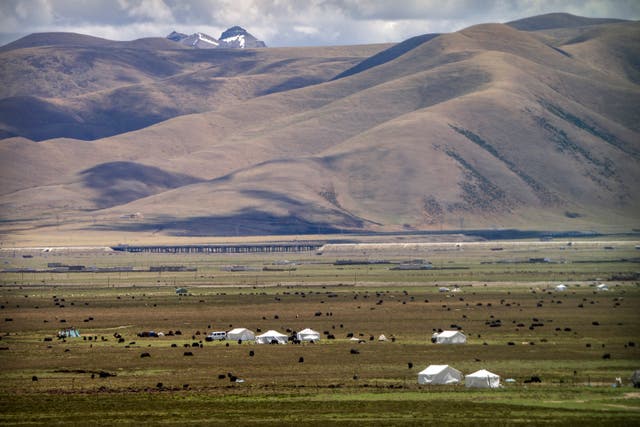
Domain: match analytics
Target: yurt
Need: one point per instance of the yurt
(271, 337)
(482, 379)
(241, 334)
(439, 374)
(308, 335)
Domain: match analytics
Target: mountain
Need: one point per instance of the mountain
(487, 127)
(233, 38)
(176, 36)
(551, 21)
(238, 37)
(200, 41)
(69, 85)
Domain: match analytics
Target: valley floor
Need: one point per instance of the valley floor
(518, 326)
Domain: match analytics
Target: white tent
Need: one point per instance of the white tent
(270, 336)
(69, 333)
(439, 374)
(449, 337)
(308, 335)
(241, 334)
(482, 379)
(561, 287)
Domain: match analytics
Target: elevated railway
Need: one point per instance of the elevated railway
(224, 248)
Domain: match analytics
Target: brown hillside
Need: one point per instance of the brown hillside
(487, 127)
(86, 88)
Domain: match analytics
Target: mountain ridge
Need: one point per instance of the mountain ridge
(234, 37)
(488, 127)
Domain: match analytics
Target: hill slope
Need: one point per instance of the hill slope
(70, 85)
(486, 127)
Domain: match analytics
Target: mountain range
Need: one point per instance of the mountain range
(234, 38)
(529, 124)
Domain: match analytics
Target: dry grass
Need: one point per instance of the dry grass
(565, 349)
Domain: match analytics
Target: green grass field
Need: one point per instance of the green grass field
(577, 341)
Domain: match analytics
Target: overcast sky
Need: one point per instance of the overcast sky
(284, 22)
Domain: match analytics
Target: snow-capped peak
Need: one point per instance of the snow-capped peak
(235, 41)
(234, 37)
(200, 41)
(238, 37)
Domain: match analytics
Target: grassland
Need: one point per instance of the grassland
(577, 341)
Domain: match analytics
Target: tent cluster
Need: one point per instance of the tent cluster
(272, 337)
(275, 337)
(445, 374)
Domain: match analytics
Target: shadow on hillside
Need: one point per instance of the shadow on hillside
(39, 119)
(387, 55)
(122, 182)
(245, 223)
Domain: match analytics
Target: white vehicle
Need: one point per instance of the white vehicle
(217, 336)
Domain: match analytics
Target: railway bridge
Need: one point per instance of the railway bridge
(224, 248)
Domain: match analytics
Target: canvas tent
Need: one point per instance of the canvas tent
(69, 333)
(439, 374)
(271, 336)
(482, 379)
(561, 287)
(308, 335)
(449, 337)
(241, 334)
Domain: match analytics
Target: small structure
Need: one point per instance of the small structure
(482, 379)
(561, 287)
(449, 337)
(270, 337)
(241, 334)
(439, 374)
(602, 287)
(308, 335)
(182, 291)
(69, 333)
(635, 379)
(416, 264)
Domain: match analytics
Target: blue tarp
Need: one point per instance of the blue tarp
(69, 333)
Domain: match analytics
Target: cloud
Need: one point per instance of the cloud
(285, 22)
(147, 10)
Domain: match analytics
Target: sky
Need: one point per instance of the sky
(284, 22)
